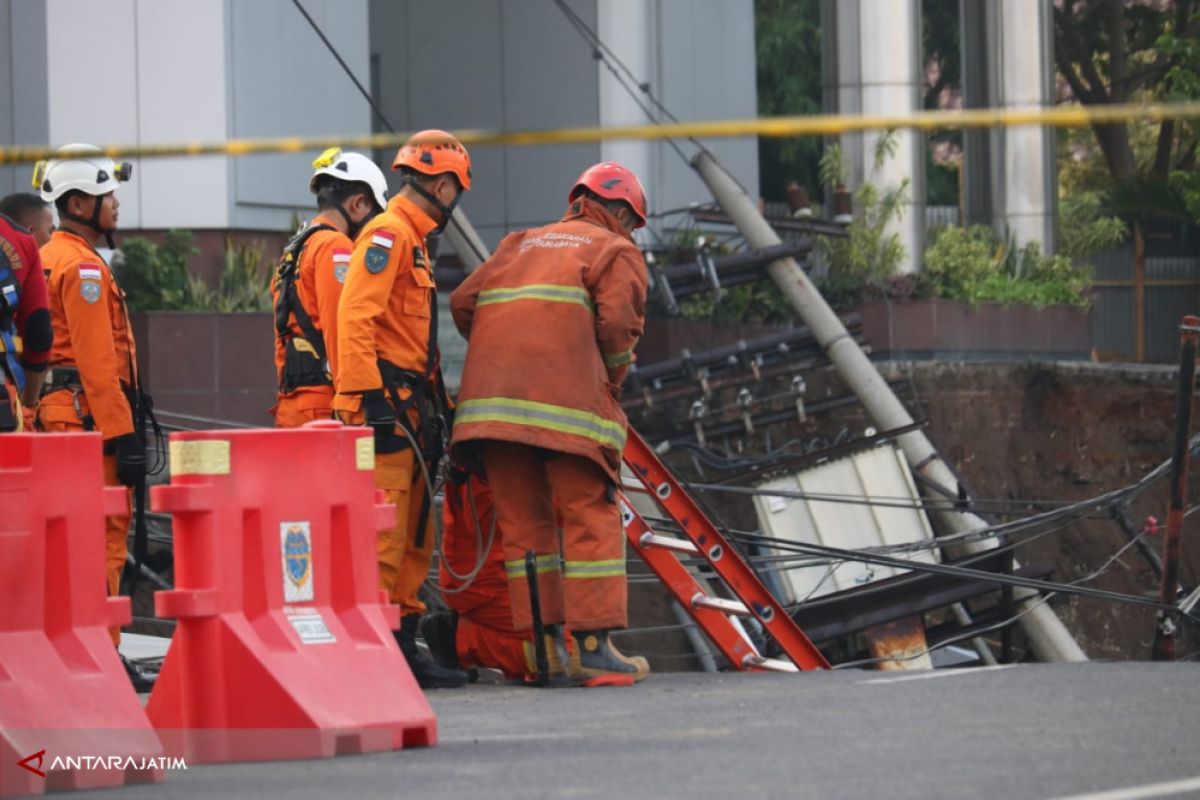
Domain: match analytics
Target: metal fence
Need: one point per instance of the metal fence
(1143, 288)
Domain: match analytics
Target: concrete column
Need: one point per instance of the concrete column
(627, 28)
(878, 63)
(1021, 33)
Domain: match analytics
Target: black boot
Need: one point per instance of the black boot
(428, 674)
(142, 680)
(440, 629)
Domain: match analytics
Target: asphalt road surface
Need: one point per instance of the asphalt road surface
(1035, 731)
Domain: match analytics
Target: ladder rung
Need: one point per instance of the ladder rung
(773, 664)
(668, 543)
(700, 600)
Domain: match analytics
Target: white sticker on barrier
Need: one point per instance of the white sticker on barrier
(295, 544)
(311, 627)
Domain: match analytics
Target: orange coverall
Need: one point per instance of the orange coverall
(551, 321)
(92, 334)
(485, 635)
(321, 271)
(385, 312)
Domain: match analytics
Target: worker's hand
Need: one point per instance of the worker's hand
(131, 459)
(381, 417)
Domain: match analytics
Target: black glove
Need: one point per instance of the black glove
(382, 419)
(131, 459)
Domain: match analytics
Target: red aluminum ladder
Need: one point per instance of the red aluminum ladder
(701, 538)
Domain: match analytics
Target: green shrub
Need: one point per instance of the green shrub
(974, 266)
(156, 278)
(153, 276)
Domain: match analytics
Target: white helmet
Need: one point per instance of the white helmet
(83, 168)
(353, 167)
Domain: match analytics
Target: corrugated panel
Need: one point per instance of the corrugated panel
(1172, 268)
(941, 217)
(1165, 308)
(1115, 264)
(1112, 321)
(879, 472)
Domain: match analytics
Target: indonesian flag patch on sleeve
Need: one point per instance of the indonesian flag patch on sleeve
(383, 239)
(341, 263)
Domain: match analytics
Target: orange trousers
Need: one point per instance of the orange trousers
(485, 636)
(581, 578)
(116, 527)
(404, 551)
(303, 405)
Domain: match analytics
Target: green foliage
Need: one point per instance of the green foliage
(245, 279)
(1084, 230)
(974, 266)
(153, 276)
(1186, 185)
(760, 303)
(156, 278)
(788, 54)
(867, 255)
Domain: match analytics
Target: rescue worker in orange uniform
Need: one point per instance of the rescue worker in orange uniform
(551, 321)
(477, 631)
(388, 374)
(350, 191)
(93, 383)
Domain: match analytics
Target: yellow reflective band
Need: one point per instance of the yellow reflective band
(542, 415)
(545, 564)
(612, 568)
(546, 292)
(618, 359)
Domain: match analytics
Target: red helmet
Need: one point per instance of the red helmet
(433, 153)
(610, 180)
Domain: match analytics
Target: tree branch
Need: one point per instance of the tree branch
(1162, 153)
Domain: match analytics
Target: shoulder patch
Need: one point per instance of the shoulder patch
(90, 290)
(376, 259)
(419, 258)
(89, 272)
(341, 263)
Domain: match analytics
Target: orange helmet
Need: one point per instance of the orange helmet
(610, 180)
(433, 153)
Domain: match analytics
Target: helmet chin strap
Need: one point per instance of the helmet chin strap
(446, 210)
(93, 222)
(352, 227)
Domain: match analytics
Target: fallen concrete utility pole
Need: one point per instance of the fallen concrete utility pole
(1050, 638)
(467, 245)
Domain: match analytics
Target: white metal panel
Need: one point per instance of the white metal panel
(876, 473)
(181, 98)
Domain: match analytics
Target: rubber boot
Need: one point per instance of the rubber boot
(142, 681)
(440, 631)
(563, 674)
(600, 663)
(428, 674)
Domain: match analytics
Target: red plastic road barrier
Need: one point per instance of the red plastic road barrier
(284, 646)
(69, 718)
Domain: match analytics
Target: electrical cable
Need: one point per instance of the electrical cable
(602, 53)
(379, 113)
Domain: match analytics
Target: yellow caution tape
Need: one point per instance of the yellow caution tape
(774, 127)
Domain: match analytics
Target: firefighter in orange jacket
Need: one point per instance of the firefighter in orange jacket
(350, 191)
(93, 383)
(551, 321)
(477, 631)
(388, 374)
